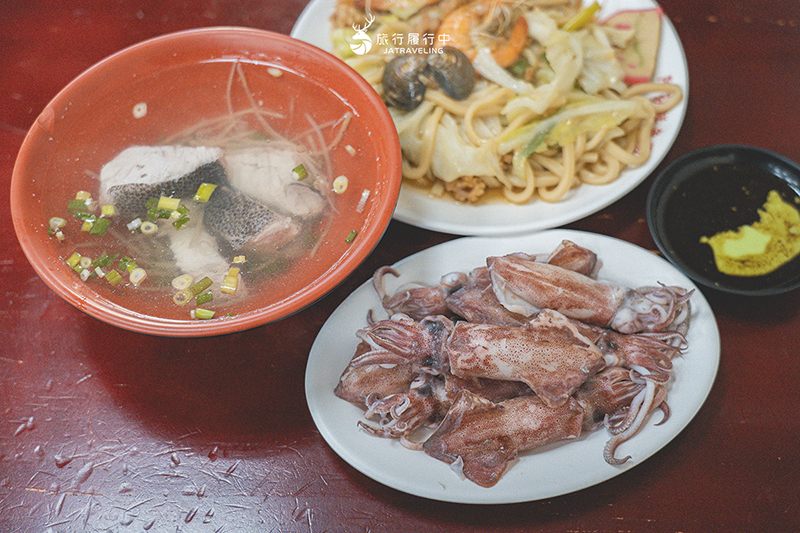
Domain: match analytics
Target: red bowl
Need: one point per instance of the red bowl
(183, 78)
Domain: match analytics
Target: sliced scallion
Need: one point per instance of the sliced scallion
(180, 222)
(56, 223)
(300, 172)
(137, 275)
(100, 227)
(74, 259)
(201, 285)
(102, 261)
(113, 277)
(340, 184)
(204, 297)
(182, 297)
(203, 314)
(230, 284)
(148, 227)
(77, 206)
(182, 282)
(167, 203)
(203, 193)
(351, 237)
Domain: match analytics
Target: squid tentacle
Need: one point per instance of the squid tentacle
(650, 398)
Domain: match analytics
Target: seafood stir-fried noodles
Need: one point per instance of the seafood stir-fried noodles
(524, 351)
(526, 98)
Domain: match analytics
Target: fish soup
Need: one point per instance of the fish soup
(275, 194)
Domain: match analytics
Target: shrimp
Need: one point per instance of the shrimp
(485, 23)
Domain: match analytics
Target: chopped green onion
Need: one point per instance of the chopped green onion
(74, 259)
(134, 224)
(86, 262)
(152, 214)
(148, 228)
(203, 314)
(203, 193)
(182, 209)
(77, 206)
(56, 223)
(351, 237)
(230, 283)
(83, 195)
(300, 172)
(204, 297)
(201, 285)
(124, 262)
(86, 226)
(137, 276)
(152, 203)
(340, 184)
(168, 204)
(113, 277)
(100, 226)
(178, 223)
(108, 210)
(102, 261)
(182, 282)
(86, 217)
(182, 297)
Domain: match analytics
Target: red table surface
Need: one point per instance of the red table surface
(107, 430)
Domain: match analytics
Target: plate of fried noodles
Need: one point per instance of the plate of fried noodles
(566, 108)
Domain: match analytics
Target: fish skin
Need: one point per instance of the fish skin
(240, 220)
(130, 199)
(143, 172)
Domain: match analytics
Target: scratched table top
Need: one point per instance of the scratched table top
(107, 430)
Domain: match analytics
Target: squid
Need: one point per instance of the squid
(480, 439)
(529, 350)
(470, 296)
(548, 353)
(524, 286)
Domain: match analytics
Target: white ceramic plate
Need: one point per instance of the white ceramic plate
(556, 469)
(419, 209)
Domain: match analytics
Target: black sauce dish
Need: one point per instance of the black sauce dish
(714, 189)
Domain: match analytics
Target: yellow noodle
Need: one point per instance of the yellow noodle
(489, 105)
(520, 197)
(567, 175)
(673, 93)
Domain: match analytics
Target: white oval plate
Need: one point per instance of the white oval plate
(444, 215)
(545, 473)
